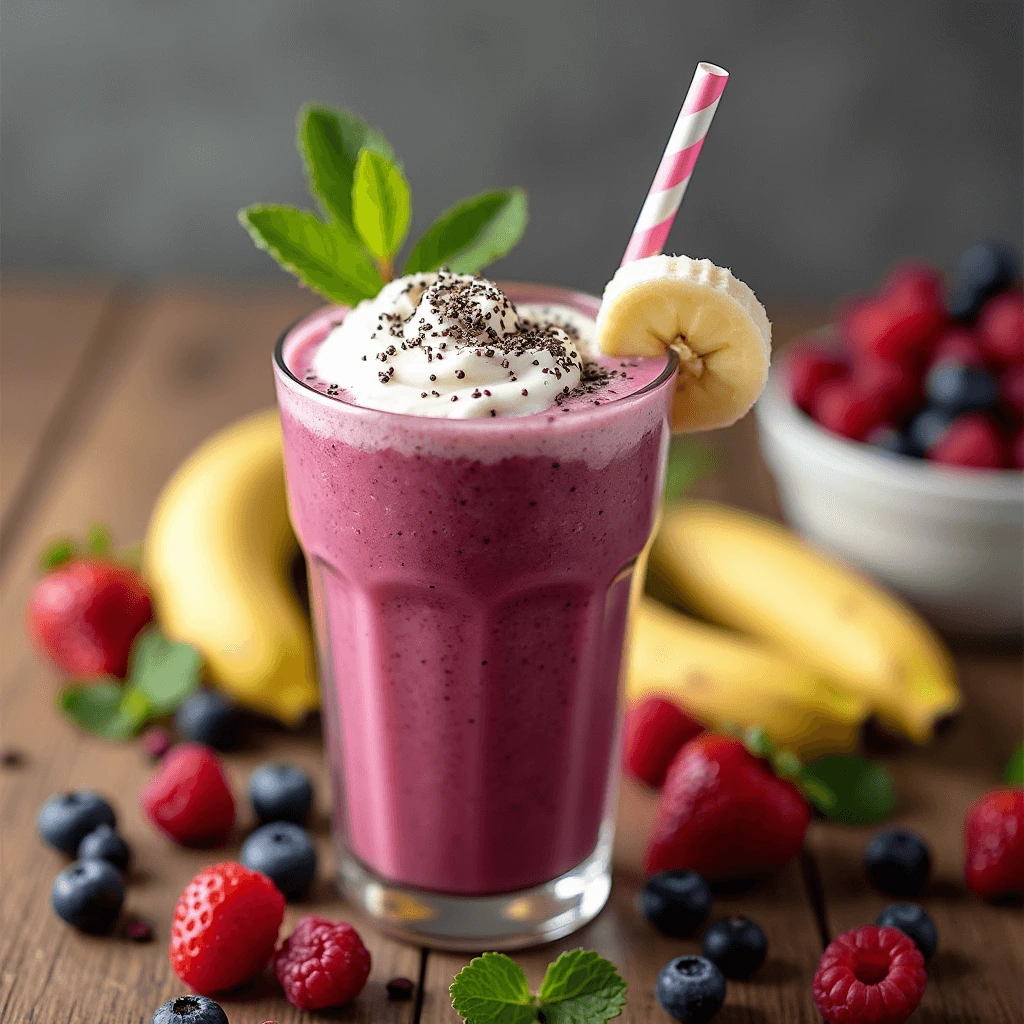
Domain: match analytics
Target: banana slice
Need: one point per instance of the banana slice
(713, 321)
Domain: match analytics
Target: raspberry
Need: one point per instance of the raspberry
(870, 975)
(1017, 450)
(808, 369)
(896, 388)
(1001, 328)
(225, 927)
(994, 845)
(1011, 390)
(843, 408)
(189, 799)
(322, 963)
(959, 346)
(655, 730)
(972, 440)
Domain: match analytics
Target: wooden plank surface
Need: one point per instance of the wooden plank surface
(182, 363)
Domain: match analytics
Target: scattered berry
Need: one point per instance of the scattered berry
(189, 799)
(808, 369)
(88, 895)
(139, 931)
(400, 990)
(322, 963)
(281, 792)
(736, 946)
(984, 269)
(690, 989)
(994, 845)
(1001, 328)
(85, 614)
(912, 920)
(973, 441)
(190, 1010)
(927, 428)
(956, 389)
(898, 862)
(655, 729)
(869, 976)
(105, 843)
(724, 814)
(283, 852)
(957, 346)
(842, 407)
(66, 819)
(225, 927)
(208, 717)
(155, 742)
(677, 903)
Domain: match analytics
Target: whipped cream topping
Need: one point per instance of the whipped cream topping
(454, 346)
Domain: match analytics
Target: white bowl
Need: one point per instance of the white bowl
(950, 540)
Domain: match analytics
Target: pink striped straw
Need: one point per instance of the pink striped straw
(677, 163)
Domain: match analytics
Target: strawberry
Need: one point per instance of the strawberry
(808, 368)
(189, 799)
(846, 409)
(655, 730)
(994, 844)
(85, 614)
(724, 814)
(895, 387)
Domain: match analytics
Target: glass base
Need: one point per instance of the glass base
(476, 924)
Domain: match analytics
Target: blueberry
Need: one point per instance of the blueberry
(281, 792)
(891, 440)
(926, 429)
(677, 903)
(88, 894)
(956, 389)
(913, 921)
(66, 819)
(208, 717)
(283, 851)
(983, 270)
(190, 1010)
(691, 989)
(898, 862)
(736, 946)
(104, 843)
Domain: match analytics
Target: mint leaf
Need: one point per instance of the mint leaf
(862, 790)
(492, 989)
(688, 462)
(471, 234)
(1014, 773)
(59, 552)
(109, 709)
(165, 671)
(329, 142)
(326, 257)
(381, 204)
(581, 987)
(98, 540)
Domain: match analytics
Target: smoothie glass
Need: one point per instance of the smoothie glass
(470, 585)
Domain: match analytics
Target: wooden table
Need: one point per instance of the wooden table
(105, 387)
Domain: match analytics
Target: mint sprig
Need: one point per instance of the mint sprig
(849, 789)
(366, 206)
(580, 987)
(1013, 775)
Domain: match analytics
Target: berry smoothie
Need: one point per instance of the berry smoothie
(470, 571)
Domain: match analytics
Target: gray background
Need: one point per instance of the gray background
(850, 135)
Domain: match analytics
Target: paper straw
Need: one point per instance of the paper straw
(676, 167)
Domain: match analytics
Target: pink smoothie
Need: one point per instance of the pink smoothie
(470, 582)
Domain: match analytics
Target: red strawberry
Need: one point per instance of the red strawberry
(189, 798)
(994, 844)
(1001, 328)
(971, 440)
(655, 730)
(808, 368)
(724, 814)
(845, 409)
(225, 927)
(322, 963)
(85, 614)
(959, 346)
(896, 388)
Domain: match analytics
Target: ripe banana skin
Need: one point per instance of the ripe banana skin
(752, 575)
(217, 557)
(723, 679)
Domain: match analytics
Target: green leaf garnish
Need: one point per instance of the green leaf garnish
(59, 552)
(688, 462)
(381, 204)
(850, 789)
(1014, 773)
(580, 987)
(108, 709)
(165, 671)
(327, 257)
(329, 141)
(97, 541)
(471, 234)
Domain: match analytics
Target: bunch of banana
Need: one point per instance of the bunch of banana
(217, 556)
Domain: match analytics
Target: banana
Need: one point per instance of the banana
(217, 557)
(724, 679)
(713, 321)
(748, 573)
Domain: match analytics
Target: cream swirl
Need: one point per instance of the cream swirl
(453, 346)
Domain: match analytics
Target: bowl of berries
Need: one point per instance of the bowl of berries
(896, 437)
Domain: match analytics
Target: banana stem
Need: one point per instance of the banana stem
(386, 268)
